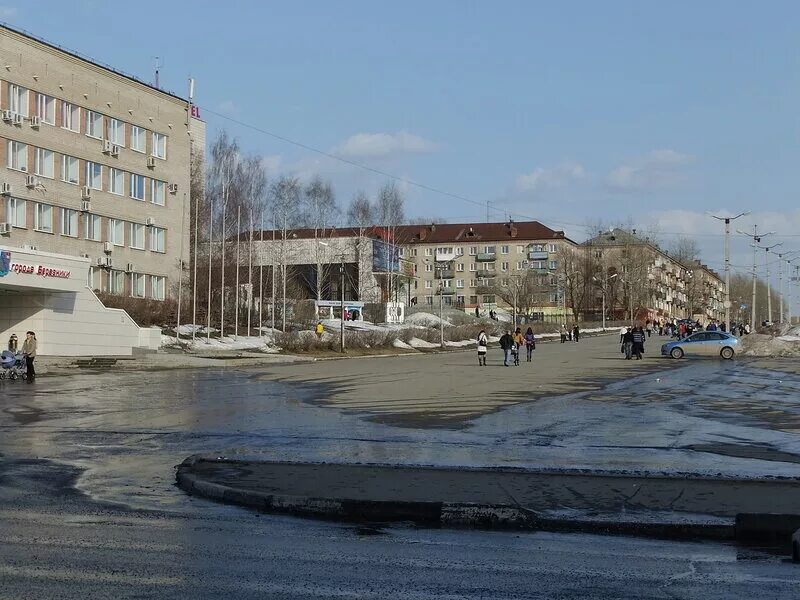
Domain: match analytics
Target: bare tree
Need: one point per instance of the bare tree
(685, 250)
(390, 209)
(284, 197)
(361, 212)
(320, 213)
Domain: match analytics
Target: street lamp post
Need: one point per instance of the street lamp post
(756, 240)
(727, 304)
(769, 283)
(606, 279)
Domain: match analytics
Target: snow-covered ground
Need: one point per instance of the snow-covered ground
(242, 342)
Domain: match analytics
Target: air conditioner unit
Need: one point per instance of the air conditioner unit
(5, 189)
(173, 188)
(100, 261)
(18, 119)
(8, 116)
(114, 150)
(30, 181)
(35, 122)
(151, 162)
(130, 268)
(29, 247)
(5, 228)
(107, 146)
(108, 247)
(150, 221)
(108, 262)
(84, 255)
(86, 193)
(86, 206)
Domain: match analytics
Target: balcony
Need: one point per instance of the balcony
(533, 255)
(486, 257)
(444, 274)
(445, 291)
(486, 274)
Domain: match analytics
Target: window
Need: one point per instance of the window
(401, 252)
(459, 283)
(429, 268)
(473, 299)
(43, 163)
(504, 266)
(447, 283)
(157, 239)
(552, 247)
(473, 283)
(138, 139)
(137, 186)
(94, 124)
(520, 265)
(17, 156)
(94, 227)
(520, 249)
(459, 251)
(489, 267)
(69, 169)
(460, 299)
(116, 181)
(473, 250)
(116, 132)
(117, 232)
(116, 282)
(473, 267)
(70, 117)
(553, 264)
(428, 252)
(490, 249)
(488, 299)
(43, 218)
(94, 175)
(137, 236)
(15, 212)
(69, 222)
(428, 285)
(157, 286)
(158, 195)
(503, 249)
(429, 300)
(46, 109)
(460, 267)
(18, 100)
(159, 145)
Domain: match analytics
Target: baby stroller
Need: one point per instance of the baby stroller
(12, 366)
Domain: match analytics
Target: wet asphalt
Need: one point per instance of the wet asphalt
(89, 509)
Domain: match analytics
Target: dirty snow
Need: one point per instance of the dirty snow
(418, 343)
(402, 345)
(424, 319)
(759, 344)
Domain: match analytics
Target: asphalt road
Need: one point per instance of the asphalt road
(88, 506)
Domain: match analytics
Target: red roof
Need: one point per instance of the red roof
(477, 232)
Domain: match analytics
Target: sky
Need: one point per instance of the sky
(577, 114)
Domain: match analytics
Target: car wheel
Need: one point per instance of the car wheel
(726, 353)
(676, 353)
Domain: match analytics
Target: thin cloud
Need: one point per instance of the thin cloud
(7, 13)
(383, 145)
(655, 170)
(540, 179)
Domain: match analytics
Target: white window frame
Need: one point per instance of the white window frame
(460, 267)
(460, 251)
(92, 181)
(504, 266)
(138, 139)
(504, 249)
(459, 283)
(158, 239)
(39, 156)
(116, 132)
(158, 193)
(40, 209)
(473, 267)
(428, 284)
(43, 102)
(473, 250)
(92, 126)
(429, 268)
(116, 176)
(158, 287)
(69, 222)
(18, 99)
(137, 285)
(94, 227)
(70, 116)
(116, 232)
(133, 177)
(66, 161)
(158, 151)
(428, 252)
(137, 236)
(116, 282)
(15, 151)
(17, 212)
(553, 248)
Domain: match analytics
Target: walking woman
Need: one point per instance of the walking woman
(29, 351)
(530, 343)
(483, 342)
(638, 342)
(519, 341)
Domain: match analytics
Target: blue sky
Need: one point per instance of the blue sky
(566, 112)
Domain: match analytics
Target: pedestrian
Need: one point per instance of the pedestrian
(519, 341)
(319, 330)
(563, 333)
(747, 329)
(29, 351)
(530, 343)
(627, 343)
(506, 342)
(638, 342)
(723, 327)
(483, 343)
(622, 331)
(576, 332)
(648, 327)
(13, 343)
(477, 312)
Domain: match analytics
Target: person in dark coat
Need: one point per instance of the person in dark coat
(575, 332)
(627, 343)
(638, 342)
(506, 343)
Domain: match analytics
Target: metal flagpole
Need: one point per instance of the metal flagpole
(250, 277)
(261, 279)
(210, 244)
(222, 284)
(238, 246)
(727, 303)
(194, 271)
(272, 260)
(180, 273)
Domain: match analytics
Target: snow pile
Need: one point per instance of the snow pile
(424, 319)
(460, 344)
(242, 342)
(418, 343)
(402, 345)
(758, 344)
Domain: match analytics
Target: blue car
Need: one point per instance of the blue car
(703, 343)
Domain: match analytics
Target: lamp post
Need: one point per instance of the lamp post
(769, 283)
(727, 303)
(341, 295)
(756, 240)
(605, 281)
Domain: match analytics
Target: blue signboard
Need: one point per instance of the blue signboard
(385, 257)
(5, 262)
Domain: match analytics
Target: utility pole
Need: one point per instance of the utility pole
(180, 274)
(238, 246)
(341, 314)
(222, 285)
(727, 303)
(210, 245)
(441, 313)
(756, 240)
(194, 272)
(780, 281)
(769, 284)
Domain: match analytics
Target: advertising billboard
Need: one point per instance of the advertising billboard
(385, 257)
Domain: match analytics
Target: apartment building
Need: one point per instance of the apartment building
(468, 263)
(95, 164)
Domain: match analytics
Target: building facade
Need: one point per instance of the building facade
(95, 164)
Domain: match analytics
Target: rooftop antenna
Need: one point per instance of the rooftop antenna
(159, 64)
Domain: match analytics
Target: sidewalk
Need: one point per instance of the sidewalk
(492, 498)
